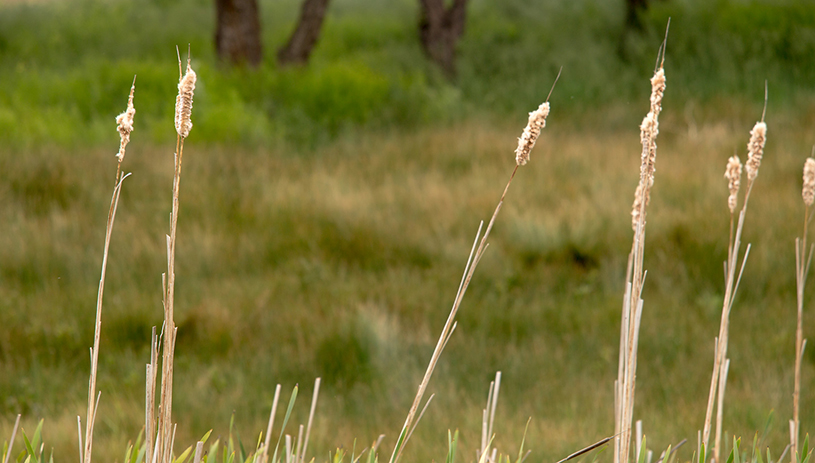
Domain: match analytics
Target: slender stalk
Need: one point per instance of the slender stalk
(625, 386)
(446, 331)
(717, 391)
(802, 263)
(125, 127)
(166, 430)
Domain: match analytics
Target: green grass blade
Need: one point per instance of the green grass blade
(285, 421)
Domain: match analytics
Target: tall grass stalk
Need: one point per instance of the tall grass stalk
(536, 122)
(624, 386)
(7, 456)
(488, 419)
(165, 432)
(755, 150)
(802, 263)
(124, 126)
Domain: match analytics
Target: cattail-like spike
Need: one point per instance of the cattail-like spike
(755, 149)
(733, 175)
(637, 207)
(124, 123)
(808, 192)
(537, 121)
(183, 102)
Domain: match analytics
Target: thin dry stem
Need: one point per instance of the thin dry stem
(310, 418)
(625, 386)
(755, 148)
(802, 263)
(125, 126)
(14, 434)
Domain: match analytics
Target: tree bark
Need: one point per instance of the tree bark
(305, 36)
(237, 34)
(440, 29)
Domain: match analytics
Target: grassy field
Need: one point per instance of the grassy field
(327, 212)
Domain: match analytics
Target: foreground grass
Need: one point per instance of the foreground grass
(341, 262)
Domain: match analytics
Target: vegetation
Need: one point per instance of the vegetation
(327, 212)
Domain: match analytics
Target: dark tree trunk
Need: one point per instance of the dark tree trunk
(632, 28)
(440, 28)
(237, 37)
(633, 10)
(305, 36)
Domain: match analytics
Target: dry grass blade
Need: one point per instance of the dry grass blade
(14, 434)
(268, 441)
(588, 449)
(310, 417)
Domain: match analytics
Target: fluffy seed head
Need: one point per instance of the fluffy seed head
(183, 103)
(808, 191)
(124, 123)
(657, 90)
(640, 195)
(755, 149)
(733, 175)
(537, 121)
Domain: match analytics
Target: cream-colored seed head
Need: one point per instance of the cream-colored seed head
(755, 150)
(733, 175)
(657, 90)
(183, 103)
(637, 206)
(124, 124)
(808, 192)
(537, 121)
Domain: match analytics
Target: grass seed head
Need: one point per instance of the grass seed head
(808, 192)
(537, 121)
(657, 90)
(733, 175)
(637, 207)
(124, 125)
(755, 149)
(183, 103)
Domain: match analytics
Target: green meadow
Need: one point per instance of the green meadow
(327, 212)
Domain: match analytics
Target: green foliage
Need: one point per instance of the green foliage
(69, 81)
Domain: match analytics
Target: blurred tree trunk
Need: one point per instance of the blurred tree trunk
(440, 29)
(633, 10)
(237, 34)
(305, 36)
(632, 28)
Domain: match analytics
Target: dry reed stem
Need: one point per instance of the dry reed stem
(802, 263)
(755, 152)
(268, 441)
(625, 385)
(14, 434)
(310, 418)
(124, 126)
(449, 326)
(183, 124)
(488, 417)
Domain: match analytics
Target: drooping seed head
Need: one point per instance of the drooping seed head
(183, 103)
(537, 121)
(755, 150)
(808, 192)
(733, 175)
(124, 124)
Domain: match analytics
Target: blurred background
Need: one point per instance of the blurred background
(342, 155)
